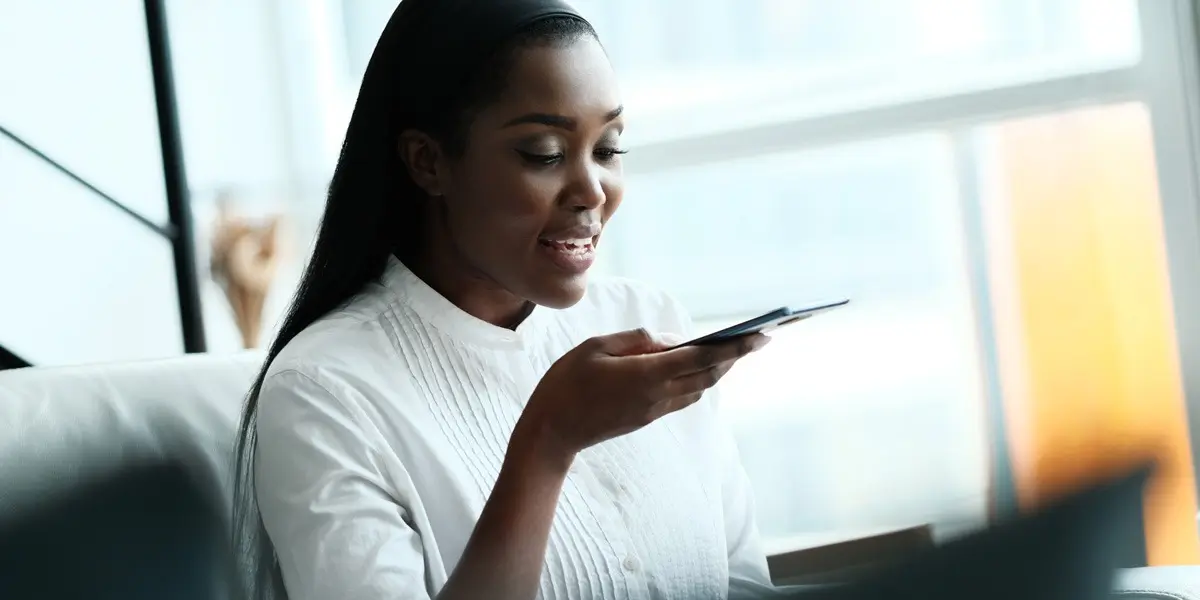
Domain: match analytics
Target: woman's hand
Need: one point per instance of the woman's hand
(615, 384)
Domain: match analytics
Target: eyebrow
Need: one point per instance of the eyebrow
(559, 121)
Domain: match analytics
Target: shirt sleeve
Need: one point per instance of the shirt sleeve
(338, 525)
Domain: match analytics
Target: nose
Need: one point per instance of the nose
(587, 191)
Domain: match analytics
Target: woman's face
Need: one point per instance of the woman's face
(525, 206)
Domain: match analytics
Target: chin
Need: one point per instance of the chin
(560, 293)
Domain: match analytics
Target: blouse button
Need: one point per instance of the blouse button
(630, 563)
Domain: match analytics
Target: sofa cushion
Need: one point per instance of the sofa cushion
(64, 425)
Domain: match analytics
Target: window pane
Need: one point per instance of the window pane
(870, 416)
(689, 64)
(855, 221)
(77, 84)
(82, 281)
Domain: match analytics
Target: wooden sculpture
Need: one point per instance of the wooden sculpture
(245, 259)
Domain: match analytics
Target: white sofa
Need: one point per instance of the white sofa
(58, 425)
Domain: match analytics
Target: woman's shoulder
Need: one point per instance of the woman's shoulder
(342, 364)
(322, 371)
(346, 336)
(628, 303)
(346, 349)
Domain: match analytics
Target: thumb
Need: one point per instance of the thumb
(636, 341)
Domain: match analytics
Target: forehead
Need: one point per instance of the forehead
(574, 80)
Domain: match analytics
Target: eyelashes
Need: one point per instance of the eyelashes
(543, 160)
(610, 153)
(547, 160)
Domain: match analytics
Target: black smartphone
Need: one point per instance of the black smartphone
(784, 315)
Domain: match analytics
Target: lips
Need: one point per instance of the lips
(573, 250)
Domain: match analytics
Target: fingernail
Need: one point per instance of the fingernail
(759, 342)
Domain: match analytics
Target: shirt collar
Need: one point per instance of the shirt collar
(435, 309)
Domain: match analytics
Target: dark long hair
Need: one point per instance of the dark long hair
(374, 210)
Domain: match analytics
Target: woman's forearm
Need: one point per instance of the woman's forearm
(504, 557)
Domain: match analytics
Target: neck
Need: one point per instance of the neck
(442, 267)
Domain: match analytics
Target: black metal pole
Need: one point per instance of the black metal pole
(178, 205)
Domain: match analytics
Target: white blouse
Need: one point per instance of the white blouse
(381, 431)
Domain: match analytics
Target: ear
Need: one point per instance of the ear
(424, 159)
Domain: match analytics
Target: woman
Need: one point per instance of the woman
(447, 411)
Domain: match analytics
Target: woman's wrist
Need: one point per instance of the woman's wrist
(507, 549)
(535, 446)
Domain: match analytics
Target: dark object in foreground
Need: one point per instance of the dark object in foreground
(149, 531)
(1070, 551)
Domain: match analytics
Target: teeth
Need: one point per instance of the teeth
(571, 244)
(575, 247)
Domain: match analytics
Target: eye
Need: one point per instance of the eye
(609, 154)
(543, 160)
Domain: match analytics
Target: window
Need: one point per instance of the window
(80, 281)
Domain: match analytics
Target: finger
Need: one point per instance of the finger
(698, 382)
(682, 402)
(636, 341)
(633, 341)
(694, 359)
(671, 405)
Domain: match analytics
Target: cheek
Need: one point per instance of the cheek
(501, 207)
